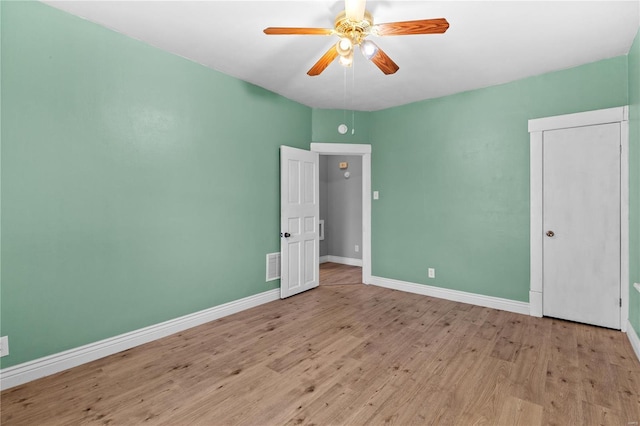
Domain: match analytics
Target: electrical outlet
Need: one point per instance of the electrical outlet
(357, 249)
(4, 346)
(432, 273)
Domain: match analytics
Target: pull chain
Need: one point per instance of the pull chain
(353, 94)
(344, 98)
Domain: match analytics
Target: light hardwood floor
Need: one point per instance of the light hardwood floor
(351, 354)
(337, 274)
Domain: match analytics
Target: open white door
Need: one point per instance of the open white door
(299, 215)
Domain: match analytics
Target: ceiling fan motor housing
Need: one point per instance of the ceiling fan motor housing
(356, 31)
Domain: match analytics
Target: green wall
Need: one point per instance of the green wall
(453, 176)
(137, 186)
(634, 182)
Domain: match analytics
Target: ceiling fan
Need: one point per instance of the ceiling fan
(353, 25)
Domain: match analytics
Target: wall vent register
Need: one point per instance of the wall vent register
(273, 266)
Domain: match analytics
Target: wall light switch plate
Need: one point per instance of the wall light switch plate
(4, 346)
(637, 286)
(376, 195)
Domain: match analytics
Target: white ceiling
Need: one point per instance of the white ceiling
(488, 43)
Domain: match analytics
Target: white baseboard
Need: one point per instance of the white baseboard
(32, 370)
(342, 260)
(633, 339)
(535, 304)
(455, 295)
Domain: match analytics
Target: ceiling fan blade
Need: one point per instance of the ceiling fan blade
(297, 31)
(354, 9)
(384, 62)
(324, 62)
(421, 26)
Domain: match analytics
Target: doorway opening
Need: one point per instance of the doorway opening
(340, 184)
(345, 213)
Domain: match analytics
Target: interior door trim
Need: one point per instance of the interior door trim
(536, 128)
(363, 150)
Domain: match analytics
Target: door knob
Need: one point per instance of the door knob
(550, 234)
(287, 235)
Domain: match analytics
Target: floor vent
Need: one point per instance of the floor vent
(273, 266)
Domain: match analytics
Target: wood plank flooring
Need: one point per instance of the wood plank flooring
(351, 354)
(337, 274)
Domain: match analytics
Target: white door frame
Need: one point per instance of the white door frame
(363, 150)
(589, 118)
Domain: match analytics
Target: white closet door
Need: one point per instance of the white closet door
(581, 223)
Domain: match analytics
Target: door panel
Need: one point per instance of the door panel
(299, 215)
(581, 208)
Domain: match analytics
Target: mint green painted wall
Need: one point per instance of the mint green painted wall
(136, 186)
(453, 176)
(326, 122)
(634, 182)
(126, 198)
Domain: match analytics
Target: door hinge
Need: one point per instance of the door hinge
(620, 300)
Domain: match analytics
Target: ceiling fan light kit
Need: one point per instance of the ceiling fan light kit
(344, 46)
(353, 25)
(368, 49)
(346, 60)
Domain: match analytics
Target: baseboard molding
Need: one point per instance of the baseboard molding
(32, 370)
(342, 260)
(633, 339)
(454, 295)
(535, 304)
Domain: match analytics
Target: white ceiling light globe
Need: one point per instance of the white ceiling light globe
(368, 49)
(346, 61)
(344, 46)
